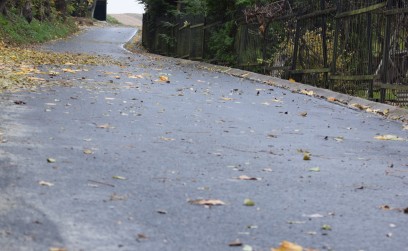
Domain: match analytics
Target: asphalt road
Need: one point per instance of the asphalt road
(128, 156)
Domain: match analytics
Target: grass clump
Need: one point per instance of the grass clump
(16, 30)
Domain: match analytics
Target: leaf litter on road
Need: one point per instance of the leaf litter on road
(207, 202)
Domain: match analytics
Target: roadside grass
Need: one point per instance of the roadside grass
(16, 30)
(112, 20)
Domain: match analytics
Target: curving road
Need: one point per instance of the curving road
(114, 161)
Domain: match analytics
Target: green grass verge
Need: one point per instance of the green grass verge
(15, 29)
(112, 20)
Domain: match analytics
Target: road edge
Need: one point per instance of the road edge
(384, 110)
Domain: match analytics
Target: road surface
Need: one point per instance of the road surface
(120, 159)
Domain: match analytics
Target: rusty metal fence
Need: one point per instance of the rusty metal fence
(358, 47)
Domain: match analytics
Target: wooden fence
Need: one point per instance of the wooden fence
(358, 47)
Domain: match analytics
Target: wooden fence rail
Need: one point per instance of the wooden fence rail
(358, 47)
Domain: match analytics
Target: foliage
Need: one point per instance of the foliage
(112, 20)
(17, 30)
(222, 43)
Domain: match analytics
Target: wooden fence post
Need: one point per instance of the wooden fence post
(386, 51)
(324, 44)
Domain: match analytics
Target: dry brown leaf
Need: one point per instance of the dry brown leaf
(288, 246)
(236, 243)
(332, 99)
(209, 202)
(164, 78)
(359, 106)
(303, 114)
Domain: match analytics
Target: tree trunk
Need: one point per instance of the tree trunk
(28, 11)
(92, 11)
(3, 9)
(47, 9)
(61, 6)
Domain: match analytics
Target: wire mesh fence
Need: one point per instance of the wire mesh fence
(358, 47)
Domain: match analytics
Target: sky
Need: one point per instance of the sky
(124, 6)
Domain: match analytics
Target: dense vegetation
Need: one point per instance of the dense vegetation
(33, 21)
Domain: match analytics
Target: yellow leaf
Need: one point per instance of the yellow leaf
(69, 70)
(226, 99)
(210, 202)
(306, 156)
(118, 177)
(389, 137)
(88, 151)
(306, 92)
(292, 80)
(249, 203)
(288, 246)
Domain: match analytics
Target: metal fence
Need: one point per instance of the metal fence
(358, 47)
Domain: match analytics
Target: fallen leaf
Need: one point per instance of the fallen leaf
(244, 177)
(141, 236)
(292, 80)
(135, 76)
(249, 203)
(164, 79)
(88, 151)
(247, 248)
(388, 137)
(226, 99)
(306, 156)
(115, 197)
(306, 92)
(104, 126)
(339, 139)
(45, 183)
(118, 177)
(57, 249)
(303, 114)
(332, 99)
(288, 246)
(167, 139)
(359, 106)
(51, 160)
(236, 243)
(267, 169)
(161, 211)
(209, 202)
(313, 216)
(314, 169)
(326, 227)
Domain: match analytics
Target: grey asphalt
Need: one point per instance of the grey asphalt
(132, 153)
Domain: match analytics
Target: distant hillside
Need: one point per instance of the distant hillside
(131, 19)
